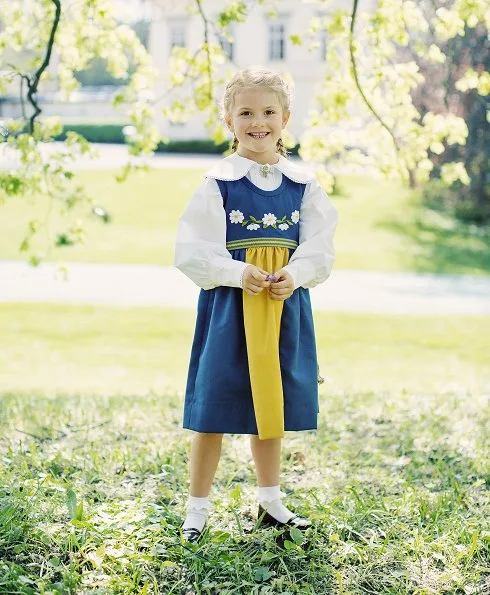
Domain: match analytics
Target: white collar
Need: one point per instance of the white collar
(235, 167)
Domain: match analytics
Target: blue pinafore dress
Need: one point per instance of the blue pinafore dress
(240, 342)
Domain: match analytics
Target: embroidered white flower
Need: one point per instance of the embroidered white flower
(295, 216)
(269, 219)
(236, 216)
(283, 226)
(253, 226)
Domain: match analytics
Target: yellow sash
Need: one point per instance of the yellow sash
(262, 319)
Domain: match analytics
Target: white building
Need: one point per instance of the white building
(261, 40)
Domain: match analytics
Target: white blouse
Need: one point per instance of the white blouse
(200, 250)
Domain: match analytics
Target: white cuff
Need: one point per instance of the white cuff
(241, 276)
(302, 272)
(195, 503)
(269, 494)
(229, 272)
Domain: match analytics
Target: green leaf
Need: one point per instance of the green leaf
(11, 184)
(474, 544)
(124, 173)
(63, 239)
(218, 135)
(268, 556)
(79, 512)
(296, 535)
(262, 573)
(71, 502)
(220, 536)
(33, 226)
(236, 493)
(118, 99)
(288, 544)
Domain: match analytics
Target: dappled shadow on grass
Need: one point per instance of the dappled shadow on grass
(392, 484)
(443, 245)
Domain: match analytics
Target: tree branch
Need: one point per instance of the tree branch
(356, 78)
(33, 82)
(206, 44)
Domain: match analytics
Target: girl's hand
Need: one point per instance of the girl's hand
(254, 280)
(283, 288)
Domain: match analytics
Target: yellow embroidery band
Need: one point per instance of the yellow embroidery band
(256, 242)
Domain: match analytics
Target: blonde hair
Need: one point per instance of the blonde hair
(253, 78)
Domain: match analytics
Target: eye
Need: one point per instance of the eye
(270, 111)
(245, 113)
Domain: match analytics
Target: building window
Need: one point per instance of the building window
(227, 45)
(323, 45)
(277, 40)
(178, 30)
(321, 19)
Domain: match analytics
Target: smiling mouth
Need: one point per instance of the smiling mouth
(258, 134)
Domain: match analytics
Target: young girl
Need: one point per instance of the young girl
(256, 235)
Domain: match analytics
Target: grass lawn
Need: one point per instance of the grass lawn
(93, 462)
(103, 350)
(382, 226)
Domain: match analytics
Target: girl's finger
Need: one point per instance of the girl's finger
(280, 284)
(258, 275)
(281, 274)
(254, 288)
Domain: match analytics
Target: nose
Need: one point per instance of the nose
(257, 119)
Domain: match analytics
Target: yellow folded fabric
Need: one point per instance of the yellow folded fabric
(262, 319)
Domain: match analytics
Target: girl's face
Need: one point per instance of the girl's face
(257, 119)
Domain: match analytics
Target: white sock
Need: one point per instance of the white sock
(197, 513)
(270, 499)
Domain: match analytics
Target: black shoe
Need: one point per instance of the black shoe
(192, 535)
(269, 521)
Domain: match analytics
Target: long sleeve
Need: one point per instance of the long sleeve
(312, 261)
(200, 248)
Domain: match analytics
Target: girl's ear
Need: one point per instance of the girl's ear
(285, 118)
(229, 123)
